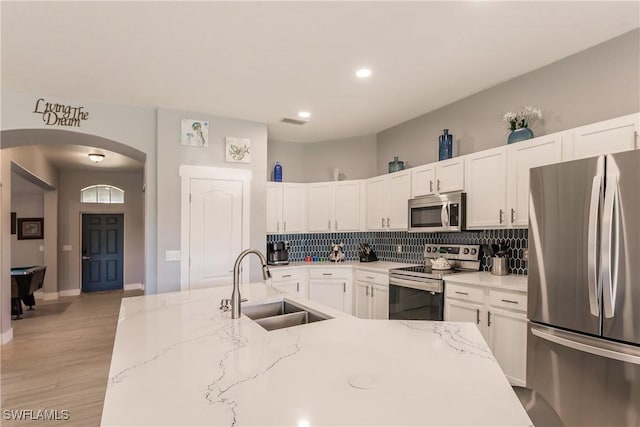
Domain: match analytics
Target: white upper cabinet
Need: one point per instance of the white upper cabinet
(486, 186)
(286, 204)
(434, 178)
(609, 136)
(387, 201)
(334, 206)
(521, 157)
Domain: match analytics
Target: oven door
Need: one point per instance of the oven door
(413, 300)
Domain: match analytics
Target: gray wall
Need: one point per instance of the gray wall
(171, 155)
(593, 85)
(69, 222)
(27, 252)
(314, 162)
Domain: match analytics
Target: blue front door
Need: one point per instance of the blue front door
(102, 252)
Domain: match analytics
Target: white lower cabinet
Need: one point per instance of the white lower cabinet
(371, 292)
(293, 281)
(331, 287)
(501, 318)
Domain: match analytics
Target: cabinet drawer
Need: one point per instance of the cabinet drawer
(462, 292)
(369, 277)
(329, 273)
(284, 275)
(511, 300)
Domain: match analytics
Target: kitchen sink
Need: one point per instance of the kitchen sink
(281, 314)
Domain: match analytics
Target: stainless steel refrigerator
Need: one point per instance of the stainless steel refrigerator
(583, 348)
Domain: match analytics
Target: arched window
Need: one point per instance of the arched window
(101, 194)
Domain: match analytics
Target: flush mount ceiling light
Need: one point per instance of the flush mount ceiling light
(96, 158)
(304, 114)
(363, 73)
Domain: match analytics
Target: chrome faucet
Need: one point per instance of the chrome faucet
(235, 295)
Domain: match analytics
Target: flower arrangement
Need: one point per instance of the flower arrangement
(523, 118)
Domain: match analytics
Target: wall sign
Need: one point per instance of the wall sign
(54, 114)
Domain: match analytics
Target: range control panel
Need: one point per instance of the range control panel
(459, 252)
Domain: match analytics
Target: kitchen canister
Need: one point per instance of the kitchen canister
(396, 165)
(277, 172)
(499, 266)
(445, 145)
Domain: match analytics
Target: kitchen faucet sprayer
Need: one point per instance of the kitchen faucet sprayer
(235, 295)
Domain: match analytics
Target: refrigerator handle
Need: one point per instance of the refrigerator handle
(592, 248)
(610, 239)
(558, 338)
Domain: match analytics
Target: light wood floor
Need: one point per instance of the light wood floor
(59, 358)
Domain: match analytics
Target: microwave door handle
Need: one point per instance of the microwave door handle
(592, 250)
(610, 239)
(444, 214)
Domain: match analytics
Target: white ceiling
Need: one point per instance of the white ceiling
(269, 60)
(77, 157)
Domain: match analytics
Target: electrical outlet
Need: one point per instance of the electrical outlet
(399, 249)
(525, 254)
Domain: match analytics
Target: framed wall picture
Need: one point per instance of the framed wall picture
(237, 150)
(30, 228)
(194, 133)
(13, 223)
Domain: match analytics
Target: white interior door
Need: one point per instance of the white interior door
(215, 235)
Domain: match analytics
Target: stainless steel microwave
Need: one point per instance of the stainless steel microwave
(444, 212)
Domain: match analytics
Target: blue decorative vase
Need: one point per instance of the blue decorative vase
(445, 146)
(519, 135)
(277, 172)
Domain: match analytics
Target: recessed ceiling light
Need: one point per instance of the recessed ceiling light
(363, 73)
(95, 157)
(304, 114)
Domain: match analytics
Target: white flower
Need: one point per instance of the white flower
(508, 116)
(523, 118)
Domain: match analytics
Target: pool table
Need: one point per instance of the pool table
(24, 282)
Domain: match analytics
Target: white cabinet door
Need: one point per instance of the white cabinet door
(377, 201)
(450, 175)
(508, 341)
(362, 300)
(399, 195)
(331, 293)
(523, 156)
(346, 201)
(423, 180)
(486, 176)
(462, 311)
(293, 207)
(293, 287)
(320, 206)
(379, 302)
(609, 136)
(274, 207)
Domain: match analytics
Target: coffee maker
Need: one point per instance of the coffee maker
(278, 253)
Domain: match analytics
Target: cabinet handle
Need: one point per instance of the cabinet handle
(284, 226)
(478, 316)
(367, 290)
(286, 275)
(462, 293)
(344, 287)
(382, 222)
(298, 287)
(278, 227)
(327, 274)
(438, 186)
(388, 222)
(369, 277)
(501, 214)
(336, 223)
(329, 224)
(372, 292)
(488, 318)
(430, 186)
(509, 301)
(513, 213)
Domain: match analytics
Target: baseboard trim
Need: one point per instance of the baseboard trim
(48, 296)
(69, 293)
(39, 294)
(132, 286)
(7, 336)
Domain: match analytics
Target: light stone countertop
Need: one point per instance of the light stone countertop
(510, 282)
(376, 266)
(180, 361)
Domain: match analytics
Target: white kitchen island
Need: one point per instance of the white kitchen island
(178, 360)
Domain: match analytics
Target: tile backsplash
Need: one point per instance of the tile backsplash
(386, 243)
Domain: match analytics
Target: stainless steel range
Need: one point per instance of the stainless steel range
(417, 293)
